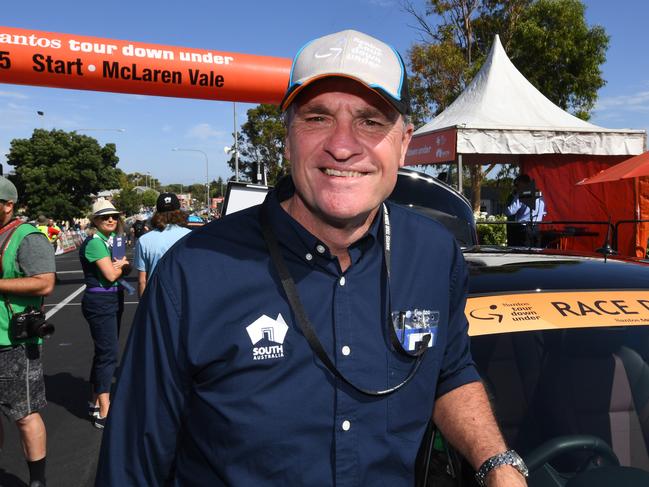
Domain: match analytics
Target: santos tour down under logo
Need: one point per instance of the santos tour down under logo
(268, 336)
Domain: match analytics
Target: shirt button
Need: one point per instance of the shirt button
(308, 257)
(346, 425)
(320, 248)
(342, 281)
(346, 350)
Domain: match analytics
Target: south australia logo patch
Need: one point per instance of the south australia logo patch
(267, 336)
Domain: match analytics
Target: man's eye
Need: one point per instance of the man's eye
(314, 118)
(372, 123)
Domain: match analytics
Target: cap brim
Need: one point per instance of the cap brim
(296, 89)
(106, 211)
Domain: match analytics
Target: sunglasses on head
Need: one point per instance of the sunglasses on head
(108, 217)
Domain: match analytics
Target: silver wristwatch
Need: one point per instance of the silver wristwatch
(510, 457)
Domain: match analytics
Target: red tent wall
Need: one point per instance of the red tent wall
(643, 203)
(557, 174)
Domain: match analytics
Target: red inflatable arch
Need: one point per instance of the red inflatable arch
(30, 57)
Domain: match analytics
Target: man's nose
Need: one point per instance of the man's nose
(343, 142)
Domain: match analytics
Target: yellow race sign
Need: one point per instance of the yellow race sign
(555, 310)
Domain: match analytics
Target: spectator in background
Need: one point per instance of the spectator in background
(102, 304)
(169, 225)
(49, 229)
(139, 227)
(53, 233)
(524, 196)
(41, 224)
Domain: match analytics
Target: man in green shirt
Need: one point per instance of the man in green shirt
(28, 274)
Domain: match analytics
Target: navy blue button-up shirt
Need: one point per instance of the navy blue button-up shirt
(219, 387)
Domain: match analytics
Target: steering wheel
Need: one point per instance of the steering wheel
(562, 444)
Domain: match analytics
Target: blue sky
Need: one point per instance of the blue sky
(154, 125)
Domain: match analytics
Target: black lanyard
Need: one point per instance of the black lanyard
(303, 320)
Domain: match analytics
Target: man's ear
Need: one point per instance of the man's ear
(405, 141)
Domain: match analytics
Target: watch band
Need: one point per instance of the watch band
(509, 457)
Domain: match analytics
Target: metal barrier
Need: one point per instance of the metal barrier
(555, 235)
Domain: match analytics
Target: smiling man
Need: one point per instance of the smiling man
(335, 327)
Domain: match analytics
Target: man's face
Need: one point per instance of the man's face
(345, 144)
(6, 211)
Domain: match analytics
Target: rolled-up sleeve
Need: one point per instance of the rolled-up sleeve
(139, 441)
(458, 367)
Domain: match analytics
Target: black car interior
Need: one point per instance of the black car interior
(570, 388)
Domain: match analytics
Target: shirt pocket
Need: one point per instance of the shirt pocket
(411, 407)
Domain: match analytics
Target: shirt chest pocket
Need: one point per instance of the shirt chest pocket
(410, 408)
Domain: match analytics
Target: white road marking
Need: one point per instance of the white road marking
(59, 306)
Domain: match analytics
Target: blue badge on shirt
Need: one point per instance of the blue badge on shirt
(412, 326)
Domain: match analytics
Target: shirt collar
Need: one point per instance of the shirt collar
(100, 235)
(299, 240)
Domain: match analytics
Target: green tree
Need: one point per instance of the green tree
(149, 198)
(548, 41)
(217, 187)
(559, 54)
(261, 144)
(197, 191)
(56, 172)
(176, 188)
(128, 201)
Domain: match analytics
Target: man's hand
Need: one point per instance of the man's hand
(505, 476)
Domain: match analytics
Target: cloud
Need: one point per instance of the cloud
(382, 3)
(203, 131)
(636, 102)
(12, 94)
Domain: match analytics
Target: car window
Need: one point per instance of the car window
(547, 384)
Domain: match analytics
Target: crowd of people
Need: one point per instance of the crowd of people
(329, 353)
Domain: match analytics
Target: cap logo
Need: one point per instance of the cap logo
(366, 53)
(335, 52)
(167, 199)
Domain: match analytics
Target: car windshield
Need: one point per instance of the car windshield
(548, 384)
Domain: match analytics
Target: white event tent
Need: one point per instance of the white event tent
(500, 112)
(501, 117)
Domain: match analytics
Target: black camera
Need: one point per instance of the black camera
(30, 323)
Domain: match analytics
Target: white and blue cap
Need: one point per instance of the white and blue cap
(351, 54)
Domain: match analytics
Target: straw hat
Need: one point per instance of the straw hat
(103, 207)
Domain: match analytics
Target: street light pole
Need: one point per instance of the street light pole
(236, 143)
(207, 177)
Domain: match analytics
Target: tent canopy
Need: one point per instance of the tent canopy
(501, 112)
(635, 167)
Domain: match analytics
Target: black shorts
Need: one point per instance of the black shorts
(22, 387)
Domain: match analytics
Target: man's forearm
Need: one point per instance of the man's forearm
(39, 285)
(465, 418)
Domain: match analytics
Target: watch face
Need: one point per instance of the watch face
(518, 463)
(510, 457)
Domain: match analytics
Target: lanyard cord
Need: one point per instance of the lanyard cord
(304, 323)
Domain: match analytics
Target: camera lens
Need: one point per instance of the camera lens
(45, 330)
